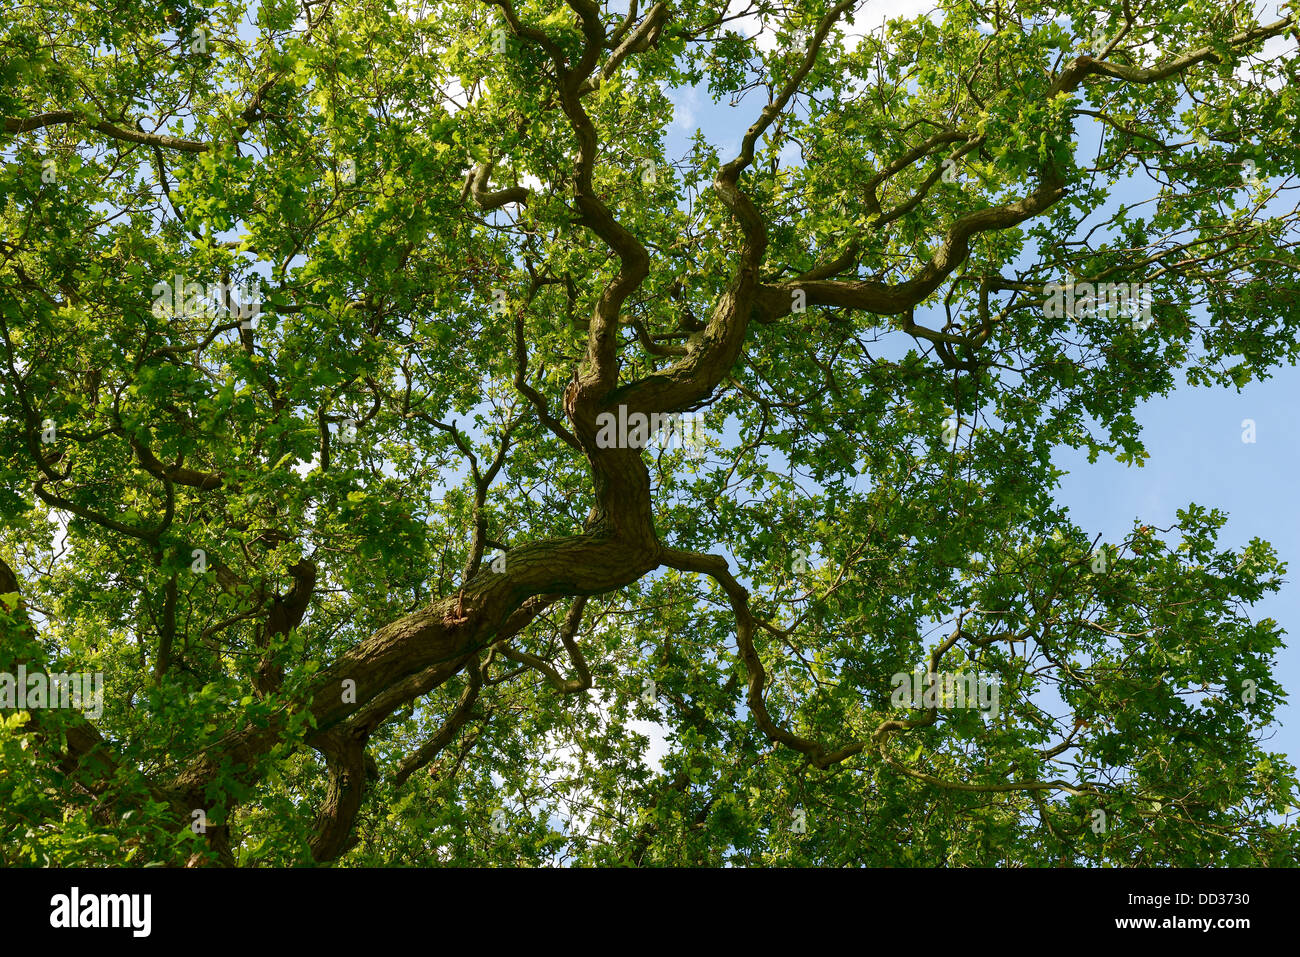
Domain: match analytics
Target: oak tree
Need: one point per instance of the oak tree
(409, 421)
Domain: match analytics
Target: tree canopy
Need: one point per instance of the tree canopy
(405, 422)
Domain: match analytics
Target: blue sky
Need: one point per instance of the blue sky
(1194, 438)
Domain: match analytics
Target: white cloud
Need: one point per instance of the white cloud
(686, 104)
(867, 19)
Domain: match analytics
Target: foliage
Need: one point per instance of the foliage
(280, 540)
